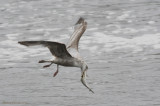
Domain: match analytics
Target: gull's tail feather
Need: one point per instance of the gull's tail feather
(83, 80)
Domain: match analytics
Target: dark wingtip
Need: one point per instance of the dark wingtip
(22, 43)
(19, 42)
(81, 20)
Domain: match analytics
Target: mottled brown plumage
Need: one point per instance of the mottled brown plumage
(66, 56)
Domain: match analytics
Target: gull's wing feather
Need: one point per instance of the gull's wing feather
(57, 49)
(78, 32)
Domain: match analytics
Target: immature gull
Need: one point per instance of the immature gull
(66, 55)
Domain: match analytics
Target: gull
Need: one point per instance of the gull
(66, 55)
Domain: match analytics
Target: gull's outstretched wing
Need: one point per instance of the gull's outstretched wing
(80, 28)
(57, 49)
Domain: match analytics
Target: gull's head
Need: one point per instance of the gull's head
(84, 67)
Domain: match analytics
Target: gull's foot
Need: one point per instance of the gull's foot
(55, 73)
(46, 66)
(41, 61)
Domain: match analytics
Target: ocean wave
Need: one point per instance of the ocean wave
(111, 42)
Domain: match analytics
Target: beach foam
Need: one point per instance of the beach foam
(111, 42)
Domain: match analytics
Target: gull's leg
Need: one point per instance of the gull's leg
(48, 65)
(44, 61)
(56, 71)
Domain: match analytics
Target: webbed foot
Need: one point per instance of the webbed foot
(55, 73)
(41, 61)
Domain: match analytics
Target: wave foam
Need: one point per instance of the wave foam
(111, 42)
